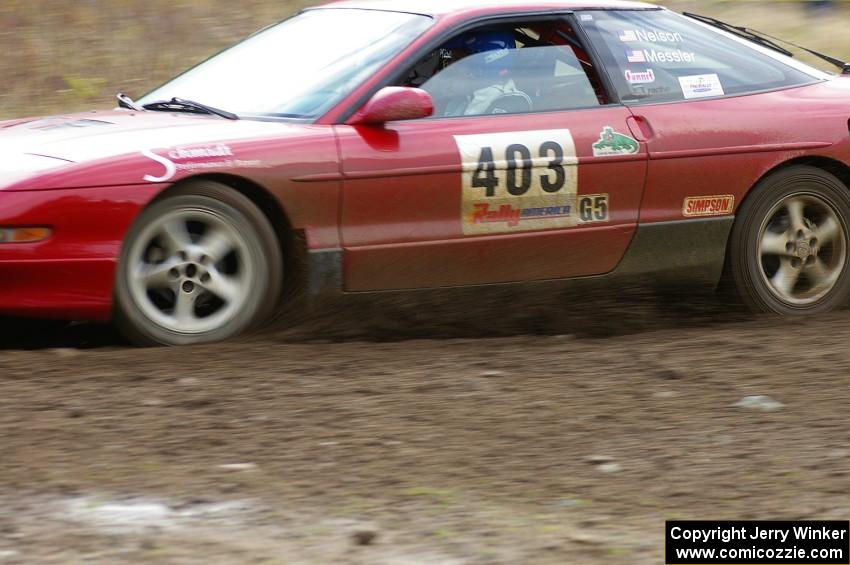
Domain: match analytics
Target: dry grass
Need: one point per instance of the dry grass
(74, 55)
(825, 31)
(63, 56)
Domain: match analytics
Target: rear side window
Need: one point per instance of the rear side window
(658, 56)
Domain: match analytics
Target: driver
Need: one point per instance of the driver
(488, 69)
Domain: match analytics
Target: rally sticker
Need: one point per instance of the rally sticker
(614, 143)
(701, 86)
(722, 205)
(518, 181)
(640, 77)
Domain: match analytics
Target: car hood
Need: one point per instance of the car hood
(96, 135)
(34, 147)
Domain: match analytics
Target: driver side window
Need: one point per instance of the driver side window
(509, 69)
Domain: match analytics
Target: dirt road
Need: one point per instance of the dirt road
(534, 440)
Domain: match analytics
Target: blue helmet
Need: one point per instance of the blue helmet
(498, 49)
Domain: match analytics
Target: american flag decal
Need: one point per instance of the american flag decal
(635, 56)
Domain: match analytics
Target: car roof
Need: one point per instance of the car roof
(444, 7)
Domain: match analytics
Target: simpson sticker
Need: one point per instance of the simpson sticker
(722, 205)
(518, 181)
(640, 77)
(614, 143)
(649, 36)
(196, 158)
(701, 86)
(593, 208)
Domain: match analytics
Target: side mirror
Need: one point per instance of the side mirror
(392, 104)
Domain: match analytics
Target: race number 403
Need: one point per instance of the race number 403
(518, 181)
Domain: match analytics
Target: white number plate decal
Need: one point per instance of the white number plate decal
(518, 181)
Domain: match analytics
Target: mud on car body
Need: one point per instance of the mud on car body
(475, 142)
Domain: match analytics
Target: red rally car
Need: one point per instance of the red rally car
(373, 145)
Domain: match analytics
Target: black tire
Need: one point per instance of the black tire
(792, 282)
(210, 214)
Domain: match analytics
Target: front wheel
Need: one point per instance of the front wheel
(201, 265)
(788, 252)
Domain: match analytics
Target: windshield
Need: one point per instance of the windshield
(299, 68)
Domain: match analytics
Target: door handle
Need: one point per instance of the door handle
(640, 128)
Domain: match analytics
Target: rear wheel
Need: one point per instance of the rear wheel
(789, 247)
(201, 265)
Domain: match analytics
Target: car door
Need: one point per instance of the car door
(547, 191)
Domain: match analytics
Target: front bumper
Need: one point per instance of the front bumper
(71, 274)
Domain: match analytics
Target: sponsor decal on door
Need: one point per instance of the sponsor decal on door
(519, 181)
(721, 205)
